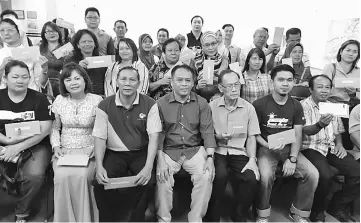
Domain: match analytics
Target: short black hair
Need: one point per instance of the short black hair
(92, 9)
(224, 72)
(164, 30)
(129, 68)
(120, 21)
(8, 12)
(66, 72)
(169, 41)
(11, 22)
(132, 46)
(282, 67)
(293, 31)
(265, 29)
(197, 16)
(186, 67)
(15, 63)
(313, 78)
(227, 25)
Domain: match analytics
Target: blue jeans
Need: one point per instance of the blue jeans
(305, 171)
(32, 177)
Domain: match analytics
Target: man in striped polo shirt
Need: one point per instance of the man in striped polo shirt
(126, 131)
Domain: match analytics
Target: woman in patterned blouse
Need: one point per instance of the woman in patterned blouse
(72, 131)
(257, 82)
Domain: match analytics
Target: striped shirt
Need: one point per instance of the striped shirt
(255, 89)
(324, 139)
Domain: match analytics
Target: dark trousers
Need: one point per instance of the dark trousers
(116, 205)
(244, 185)
(347, 166)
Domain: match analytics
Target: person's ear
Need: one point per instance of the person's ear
(220, 88)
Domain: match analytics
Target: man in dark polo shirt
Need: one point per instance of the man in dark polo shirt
(162, 36)
(126, 131)
(187, 127)
(194, 37)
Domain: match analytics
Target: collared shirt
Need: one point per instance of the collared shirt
(255, 89)
(235, 52)
(240, 121)
(305, 59)
(340, 94)
(106, 44)
(186, 126)
(246, 50)
(126, 129)
(157, 50)
(325, 138)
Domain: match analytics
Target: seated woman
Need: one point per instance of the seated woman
(19, 101)
(72, 131)
(51, 40)
(257, 82)
(127, 55)
(145, 54)
(294, 51)
(38, 69)
(85, 45)
(209, 52)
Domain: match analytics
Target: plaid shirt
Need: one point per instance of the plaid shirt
(255, 89)
(325, 138)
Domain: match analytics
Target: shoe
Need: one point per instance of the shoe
(297, 218)
(318, 216)
(20, 219)
(341, 216)
(261, 220)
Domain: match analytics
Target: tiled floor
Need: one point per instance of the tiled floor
(280, 201)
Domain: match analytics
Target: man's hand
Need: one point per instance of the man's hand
(201, 84)
(325, 120)
(5, 61)
(58, 152)
(84, 63)
(209, 165)
(143, 176)
(101, 175)
(340, 152)
(252, 165)
(279, 147)
(9, 153)
(288, 168)
(163, 170)
(273, 48)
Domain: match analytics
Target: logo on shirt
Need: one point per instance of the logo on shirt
(274, 122)
(142, 116)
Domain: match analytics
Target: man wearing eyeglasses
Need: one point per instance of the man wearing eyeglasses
(236, 125)
(92, 20)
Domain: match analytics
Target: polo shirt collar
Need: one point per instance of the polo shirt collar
(221, 102)
(119, 103)
(191, 97)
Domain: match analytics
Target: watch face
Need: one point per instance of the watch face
(293, 159)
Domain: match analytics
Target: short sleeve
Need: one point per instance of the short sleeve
(299, 117)
(328, 70)
(354, 121)
(307, 113)
(253, 125)
(43, 112)
(100, 129)
(154, 123)
(340, 128)
(257, 107)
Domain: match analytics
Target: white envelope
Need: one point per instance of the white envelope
(120, 182)
(26, 129)
(278, 35)
(287, 61)
(347, 82)
(208, 71)
(63, 51)
(236, 68)
(337, 109)
(185, 57)
(26, 54)
(169, 72)
(285, 137)
(100, 61)
(73, 160)
(64, 24)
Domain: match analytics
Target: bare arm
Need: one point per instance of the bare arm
(355, 138)
(99, 151)
(296, 146)
(261, 141)
(251, 146)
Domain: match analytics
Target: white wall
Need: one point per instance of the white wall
(145, 16)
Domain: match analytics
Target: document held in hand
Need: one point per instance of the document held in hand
(236, 68)
(169, 72)
(64, 24)
(120, 182)
(287, 61)
(22, 129)
(73, 160)
(26, 54)
(347, 82)
(285, 137)
(99, 61)
(63, 51)
(186, 57)
(337, 109)
(208, 71)
(278, 35)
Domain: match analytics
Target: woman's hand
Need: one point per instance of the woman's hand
(84, 63)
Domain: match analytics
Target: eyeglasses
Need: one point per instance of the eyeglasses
(231, 86)
(51, 32)
(92, 18)
(207, 45)
(7, 30)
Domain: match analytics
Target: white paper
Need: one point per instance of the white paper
(278, 35)
(208, 71)
(99, 61)
(63, 51)
(73, 160)
(236, 68)
(26, 54)
(286, 137)
(287, 61)
(169, 72)
(64, 24)
(337, 109)
(347, 82)
(22, 129)
(120, 182)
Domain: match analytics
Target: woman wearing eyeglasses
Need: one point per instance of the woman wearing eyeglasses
(209, 52)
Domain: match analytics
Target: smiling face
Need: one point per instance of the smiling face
(125, 51)
(120, 29)
(228, 32)
(182, 82)
(172, 53)
(18, 79)
(147, 44)
(128, 82)
(255, 62)
(8, 33)
(86, 44)
(51, 35)
(197, 24)
(321, 89)
(75, 83)
(350, 53)
(296, 54)
(162, 37)
(92, 20)
(210, 46)
(260, 38)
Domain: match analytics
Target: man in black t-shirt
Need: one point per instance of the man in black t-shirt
(276, 113)
(18, 102)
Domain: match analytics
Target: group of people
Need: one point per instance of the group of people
(152, 113)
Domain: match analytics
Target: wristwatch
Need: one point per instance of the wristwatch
(210, 156)
(293, 159)
(255, 159)
(318, 125)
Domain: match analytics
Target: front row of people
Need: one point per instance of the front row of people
(214, 143)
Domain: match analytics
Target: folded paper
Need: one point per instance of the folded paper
(278, 35)
(285, 137)
(63, 51)
(120, 182)
(64, 24)
(73, 160)
(208, 71)
(336, 109)
(22, 129)
(100, 61)
(347, 82)
(26, 54)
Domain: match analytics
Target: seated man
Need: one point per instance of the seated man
(322, 145)
(235, 154)
(276, 113)
(187, 124)
(354, 130)
(126, 131)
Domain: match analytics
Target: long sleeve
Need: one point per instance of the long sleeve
(55, 132)
(144, 78)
